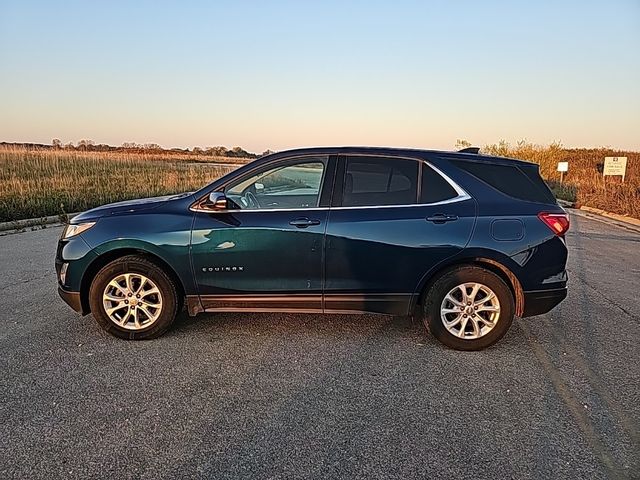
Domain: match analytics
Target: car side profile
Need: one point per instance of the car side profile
(463, 240)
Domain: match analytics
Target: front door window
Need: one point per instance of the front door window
(290, 186)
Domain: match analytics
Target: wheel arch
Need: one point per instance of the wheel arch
(99, 262)
(491, 264)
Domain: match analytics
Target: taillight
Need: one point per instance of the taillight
(557, 222)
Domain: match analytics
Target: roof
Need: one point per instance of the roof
(397, 151)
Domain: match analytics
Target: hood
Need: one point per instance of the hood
(126, 207)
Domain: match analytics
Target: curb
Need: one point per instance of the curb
(623, 221)
(565, 203)
(607, 218)
(614, 216)
(19, 225)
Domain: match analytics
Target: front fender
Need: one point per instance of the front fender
(164, 236)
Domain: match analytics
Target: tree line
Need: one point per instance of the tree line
(86, 145)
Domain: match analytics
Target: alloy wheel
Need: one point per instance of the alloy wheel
(470, 310)
(132, 301)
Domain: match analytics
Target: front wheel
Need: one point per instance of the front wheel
(133, 298)
(468, 308)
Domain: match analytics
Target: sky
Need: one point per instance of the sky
(283, 74)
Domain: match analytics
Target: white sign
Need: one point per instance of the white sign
(615, 166)
(563, 166)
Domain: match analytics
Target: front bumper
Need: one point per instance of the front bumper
(73, 256)
(72, 299)
(541, 301)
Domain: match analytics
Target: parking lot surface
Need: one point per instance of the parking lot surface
(312, 396)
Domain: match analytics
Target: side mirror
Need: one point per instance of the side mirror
(216, 201)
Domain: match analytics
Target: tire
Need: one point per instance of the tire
(154, 312)
(469, 329)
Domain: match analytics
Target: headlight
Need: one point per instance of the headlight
(76, 229)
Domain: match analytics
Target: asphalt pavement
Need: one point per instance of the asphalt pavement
(312, 396)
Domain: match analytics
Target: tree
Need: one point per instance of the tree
(217, 151)
(238, 152)
(85, 144)
(500, 149)
(56, 143)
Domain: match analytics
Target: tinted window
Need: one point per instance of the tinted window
(510, 180)
(434, 187)
(534, 175)
(285, 186)
(379, 181)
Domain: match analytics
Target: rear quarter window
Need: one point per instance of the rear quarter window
(510, 180)
(434, 188)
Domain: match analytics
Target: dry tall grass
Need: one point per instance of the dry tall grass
(37, 183)
(583, 183)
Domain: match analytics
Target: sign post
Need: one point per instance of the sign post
(615, 166)
(563, 167)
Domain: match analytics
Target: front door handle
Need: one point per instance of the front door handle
(303, 222)
(442, 218)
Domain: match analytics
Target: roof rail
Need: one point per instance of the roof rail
(475, 150)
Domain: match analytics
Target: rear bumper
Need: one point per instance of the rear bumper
(72, 299)
(541, 301)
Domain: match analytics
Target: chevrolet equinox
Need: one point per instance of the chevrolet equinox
(463, 240)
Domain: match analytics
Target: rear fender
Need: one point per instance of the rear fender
(498, 263)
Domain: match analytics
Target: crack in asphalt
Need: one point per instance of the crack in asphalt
(595, 382)
(573, 405)
(603, 296)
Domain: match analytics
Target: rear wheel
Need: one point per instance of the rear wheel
(468, 308)
(133, 298)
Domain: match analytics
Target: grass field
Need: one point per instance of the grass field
(38, 183)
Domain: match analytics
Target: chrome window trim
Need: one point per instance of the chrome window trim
(434, 204)
(242, 210)
(461, 197)
(462, 194)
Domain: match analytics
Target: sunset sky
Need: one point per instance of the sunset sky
(281, 74)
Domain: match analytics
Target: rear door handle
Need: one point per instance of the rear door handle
(303, 222)
(442, 218)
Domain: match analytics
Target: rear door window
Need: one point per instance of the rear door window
(371, 181)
